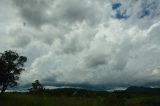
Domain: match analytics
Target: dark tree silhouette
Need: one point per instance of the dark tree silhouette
(11, 66)
(37, 87)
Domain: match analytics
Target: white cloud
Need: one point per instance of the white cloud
(74, 42)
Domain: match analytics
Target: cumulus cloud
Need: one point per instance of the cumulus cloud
(88, 43)
(33, 11)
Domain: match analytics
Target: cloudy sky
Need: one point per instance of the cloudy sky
(98, 44)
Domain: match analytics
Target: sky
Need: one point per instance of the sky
(96, 44)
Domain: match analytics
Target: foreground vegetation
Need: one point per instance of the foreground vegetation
(92, 99)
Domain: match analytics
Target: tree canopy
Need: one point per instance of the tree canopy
(11, 66)
(37, 87)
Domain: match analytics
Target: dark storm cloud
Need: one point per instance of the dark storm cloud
(95, 60)
(57, 12)
(72, 11)
(33, 11)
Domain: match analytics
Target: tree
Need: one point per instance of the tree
(37, 87)
(11, 66)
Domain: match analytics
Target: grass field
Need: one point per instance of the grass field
(110, 99)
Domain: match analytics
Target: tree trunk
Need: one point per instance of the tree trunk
(4, 87)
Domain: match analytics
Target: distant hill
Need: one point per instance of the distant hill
(138, 89)
(141, 89)
(92, 93)
(74, 92)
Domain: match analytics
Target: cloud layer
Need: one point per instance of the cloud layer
(96, 44)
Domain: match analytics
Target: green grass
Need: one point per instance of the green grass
(32, 100)
(110, 99)
(144, 101)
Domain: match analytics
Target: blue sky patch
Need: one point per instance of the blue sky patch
(115, 6)
(145, 13)
(120, 15)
